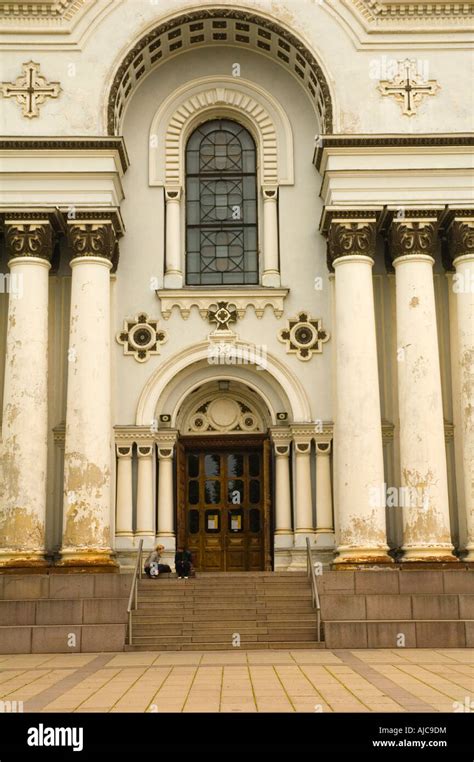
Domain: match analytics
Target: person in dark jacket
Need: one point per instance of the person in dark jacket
(182, 560)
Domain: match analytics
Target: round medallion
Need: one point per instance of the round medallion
(304, 334)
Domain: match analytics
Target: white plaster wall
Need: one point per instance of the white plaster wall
(302, 249)
(86, 71)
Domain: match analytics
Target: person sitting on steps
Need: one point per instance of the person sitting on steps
(182, 560)
(153, 568)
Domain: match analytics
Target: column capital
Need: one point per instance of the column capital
(460, 231)
(302, 434)
(31, 233)
(281, 439)
(124, 451)
(165, 442)
(351, 234)
(323, 448)
(413, 234)
(270, 192)
(145, 450)
(95, 233)
(173, 193)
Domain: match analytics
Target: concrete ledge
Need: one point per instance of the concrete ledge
(345, 634)
(105, 611)
(389, 607)
(385, 582)
(386, 634)
(435, 607)
(17, 612)
(342, 606)
(459, 581)
(440, 634)
(415, 581)
(103, 637)
(15, 640)
(58, 612)
(55, 639)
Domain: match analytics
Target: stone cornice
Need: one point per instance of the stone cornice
(58, 145)
(387, 11)
(330, 214)
(376, 143)
(202, 298)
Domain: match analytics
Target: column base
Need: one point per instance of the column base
(429, 555)
(83, 561)
(301, 535)
(18, 561)
(352, 558)
(469, 557)
(271, 279)
(173, 280)
(325, 539)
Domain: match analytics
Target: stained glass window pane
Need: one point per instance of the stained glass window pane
(221, 205)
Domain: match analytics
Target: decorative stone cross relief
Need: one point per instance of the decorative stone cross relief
(30, 89)
(408, 87)
(224, 314)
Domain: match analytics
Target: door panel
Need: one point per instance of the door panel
(224, 507)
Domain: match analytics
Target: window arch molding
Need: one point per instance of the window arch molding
(223, 97)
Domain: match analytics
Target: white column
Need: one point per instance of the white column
(282, 489)
(174, 271)
(25, 404)
(462, 251)
(359, 474)
(303, 492)
(124, 514)
(271, 268)
(324, 519)
(87, 488)
(145, 492)
(166, 530)
(426, 527)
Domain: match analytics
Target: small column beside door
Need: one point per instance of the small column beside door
(146, 493)
(324, 515)
(124, 497)
(303, 513)
(283, 537)
(166, 535)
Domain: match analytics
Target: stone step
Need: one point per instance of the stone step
(144, 617)
(308, 645)
(243, 629)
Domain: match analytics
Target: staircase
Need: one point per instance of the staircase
(224, 611)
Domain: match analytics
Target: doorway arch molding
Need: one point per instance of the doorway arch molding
(275, 374)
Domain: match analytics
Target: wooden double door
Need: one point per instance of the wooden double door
(224, 502)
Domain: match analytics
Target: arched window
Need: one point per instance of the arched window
(221, 205)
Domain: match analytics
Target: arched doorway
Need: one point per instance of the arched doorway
(223, 479)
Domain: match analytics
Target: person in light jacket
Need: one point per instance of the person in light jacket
(152, 564)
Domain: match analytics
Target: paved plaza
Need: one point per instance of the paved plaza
(388, 680)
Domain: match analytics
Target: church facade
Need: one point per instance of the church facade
(237, 283)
